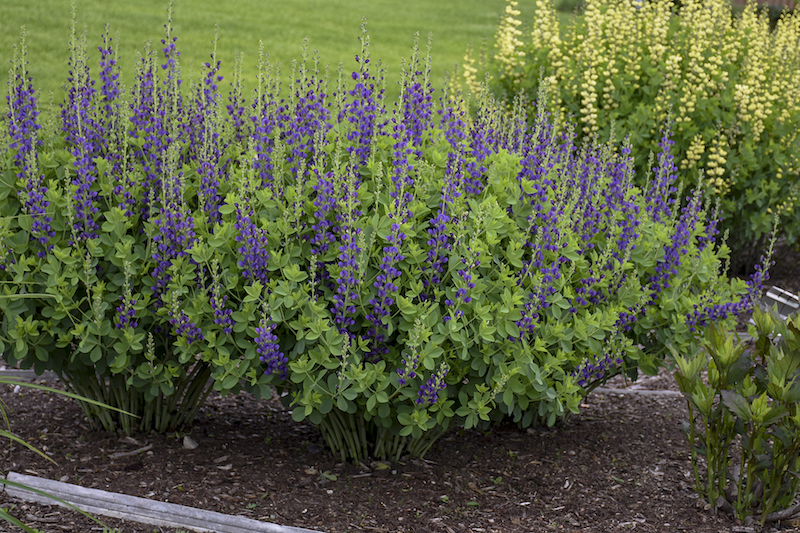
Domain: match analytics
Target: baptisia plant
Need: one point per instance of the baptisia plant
(389, 270)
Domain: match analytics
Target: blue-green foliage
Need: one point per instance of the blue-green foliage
(392, 270)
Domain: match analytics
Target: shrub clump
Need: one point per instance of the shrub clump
(731, 88)
(744, 420)
(389, 271)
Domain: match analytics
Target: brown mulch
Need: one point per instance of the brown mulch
(621, 465)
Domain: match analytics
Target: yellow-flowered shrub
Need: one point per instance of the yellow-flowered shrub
(731, 86)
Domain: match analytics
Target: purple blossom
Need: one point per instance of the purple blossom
(126, 313)
(36, 206)
(402, 174)
(711, 232)
(429, 391)
(5, 255)
(206, 140)
(22, 129)
(454, 124)
(78, 118)
(590, 372)
(109, 76)
(254, 249)
(440, 241)
(627, 318)
(325, 202)
(464, 284)
(409, 370)
(659, 200)
(348, 278)
(268, 349)
(173, 235)
(22, 109)
(266, 117)
(386, 288)
(544, 236)
(158, 116)
(307, 124)
(222, 314)
(182, 326)
(707, 312)
(667, 267)
(236, 101)
(416, 95)
(85, 198)
(363, 106)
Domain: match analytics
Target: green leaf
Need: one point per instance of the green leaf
(97, 354)
(737, 403)
(775, 414)
(230, 382)
(342, 404)
(226, 209)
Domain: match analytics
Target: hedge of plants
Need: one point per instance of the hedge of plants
(389, 269)
(730, 85)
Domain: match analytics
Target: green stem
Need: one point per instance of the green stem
(399, 443)
(380, 443)
(751, 474)
(362, 426)
(197, 394)
(333, 416)
(335, 442)
(100, 414)
(350, 436)
(359, 436)
(147, 411)
(159, 418)
(120, 400)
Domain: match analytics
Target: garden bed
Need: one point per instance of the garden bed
(623, 464)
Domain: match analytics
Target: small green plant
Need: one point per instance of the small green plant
(744, 419)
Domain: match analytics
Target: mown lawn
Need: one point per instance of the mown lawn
(332, 27)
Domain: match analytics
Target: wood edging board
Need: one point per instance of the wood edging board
(143, 510)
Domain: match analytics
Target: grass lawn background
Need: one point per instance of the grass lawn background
(332, 27)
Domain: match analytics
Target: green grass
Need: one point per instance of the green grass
(332, 27)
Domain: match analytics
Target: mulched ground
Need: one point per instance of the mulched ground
(621, 465)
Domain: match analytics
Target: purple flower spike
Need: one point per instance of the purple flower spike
(363, 107)
(429, 391)
(222, 314)
(254, 249)
(409, 370)
(659, 200)
(268, 349)
(182, 325)
(173, 236)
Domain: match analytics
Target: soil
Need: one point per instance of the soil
(622, 464)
